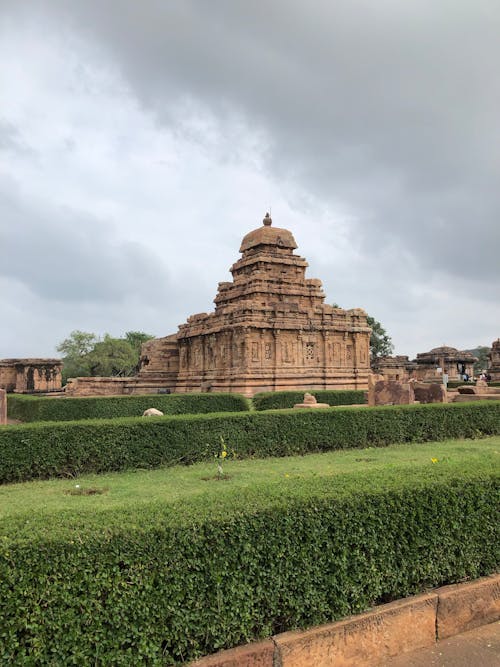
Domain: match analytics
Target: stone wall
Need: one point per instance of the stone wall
(28, 376)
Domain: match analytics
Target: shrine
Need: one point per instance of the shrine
(270, 330)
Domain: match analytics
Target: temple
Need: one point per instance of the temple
(270, 330)
(30, 376)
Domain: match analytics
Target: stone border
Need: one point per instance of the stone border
(377, 635)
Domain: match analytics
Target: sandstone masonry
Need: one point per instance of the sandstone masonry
(270, 330)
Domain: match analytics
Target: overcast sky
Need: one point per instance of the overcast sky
(139, 142)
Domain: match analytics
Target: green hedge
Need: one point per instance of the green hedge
(165, 584)
(44, 450)
(32, 408)
(280, 400)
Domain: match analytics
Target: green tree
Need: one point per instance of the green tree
(74, 350)
(380, 342)
(481, 352)
(112, 357)
(85, 354)
(136, 339)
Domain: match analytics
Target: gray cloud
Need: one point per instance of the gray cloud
(386, 112)
(63, 255)
(390, 108)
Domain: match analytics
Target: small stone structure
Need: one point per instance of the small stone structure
(30, 376)
(431, 366)
(478, 392)
(3, 406)
(398, 368)
(494, 361)
(310, 402)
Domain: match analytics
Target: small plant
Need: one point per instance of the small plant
(220, 458)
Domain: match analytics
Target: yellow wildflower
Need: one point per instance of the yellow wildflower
(434, 460)
(223, 454)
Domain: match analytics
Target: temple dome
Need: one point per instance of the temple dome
(268, 235)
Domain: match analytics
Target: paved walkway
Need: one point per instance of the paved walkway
(476, 648)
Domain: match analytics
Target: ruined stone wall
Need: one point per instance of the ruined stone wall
(8, 377)
(26, 376)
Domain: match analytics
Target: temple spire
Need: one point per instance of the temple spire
(267, 220)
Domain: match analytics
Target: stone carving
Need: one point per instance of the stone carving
(494, 361)
(152, 412)
(310, 402)
(3, 406)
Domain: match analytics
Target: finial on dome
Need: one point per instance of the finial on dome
(267, 220)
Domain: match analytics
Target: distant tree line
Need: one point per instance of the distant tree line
(85, 354)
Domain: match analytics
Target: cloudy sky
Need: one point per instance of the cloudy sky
(139, 142)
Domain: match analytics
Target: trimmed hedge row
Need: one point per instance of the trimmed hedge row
(60, 449)
(163, 590)
(32, 408)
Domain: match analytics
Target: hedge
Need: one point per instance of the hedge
(165, 584)
(32, 408)
(61, 449)
(279, 400)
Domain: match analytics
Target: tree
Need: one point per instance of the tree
(481, 352)
(380, 342)
(136, 339)
(86, 354)
(112, 357)
(75, 349)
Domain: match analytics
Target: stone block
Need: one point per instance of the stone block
(260, 654)
(464, 607)
(3, 406)
(388, 392)
(430, 393)
(365, 640)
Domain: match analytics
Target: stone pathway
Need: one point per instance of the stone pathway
(476, 648)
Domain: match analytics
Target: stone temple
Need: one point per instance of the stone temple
(270, 330)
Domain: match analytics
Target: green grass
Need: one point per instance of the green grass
(185, 494)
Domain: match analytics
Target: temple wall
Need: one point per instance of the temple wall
(8, 378)
(25, 376)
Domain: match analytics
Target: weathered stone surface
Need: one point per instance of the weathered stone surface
(310, 402)
(152, 412)
(364, 640)
(386, 392)
(430, 393)
(494, 361)
(398, 368)
(463, 607)
(253, 655)
(28, 376)
(270, 330)
(3, 406)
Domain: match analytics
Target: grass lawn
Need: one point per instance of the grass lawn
(41, 506)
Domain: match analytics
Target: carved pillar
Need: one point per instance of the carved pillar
(326, 337)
